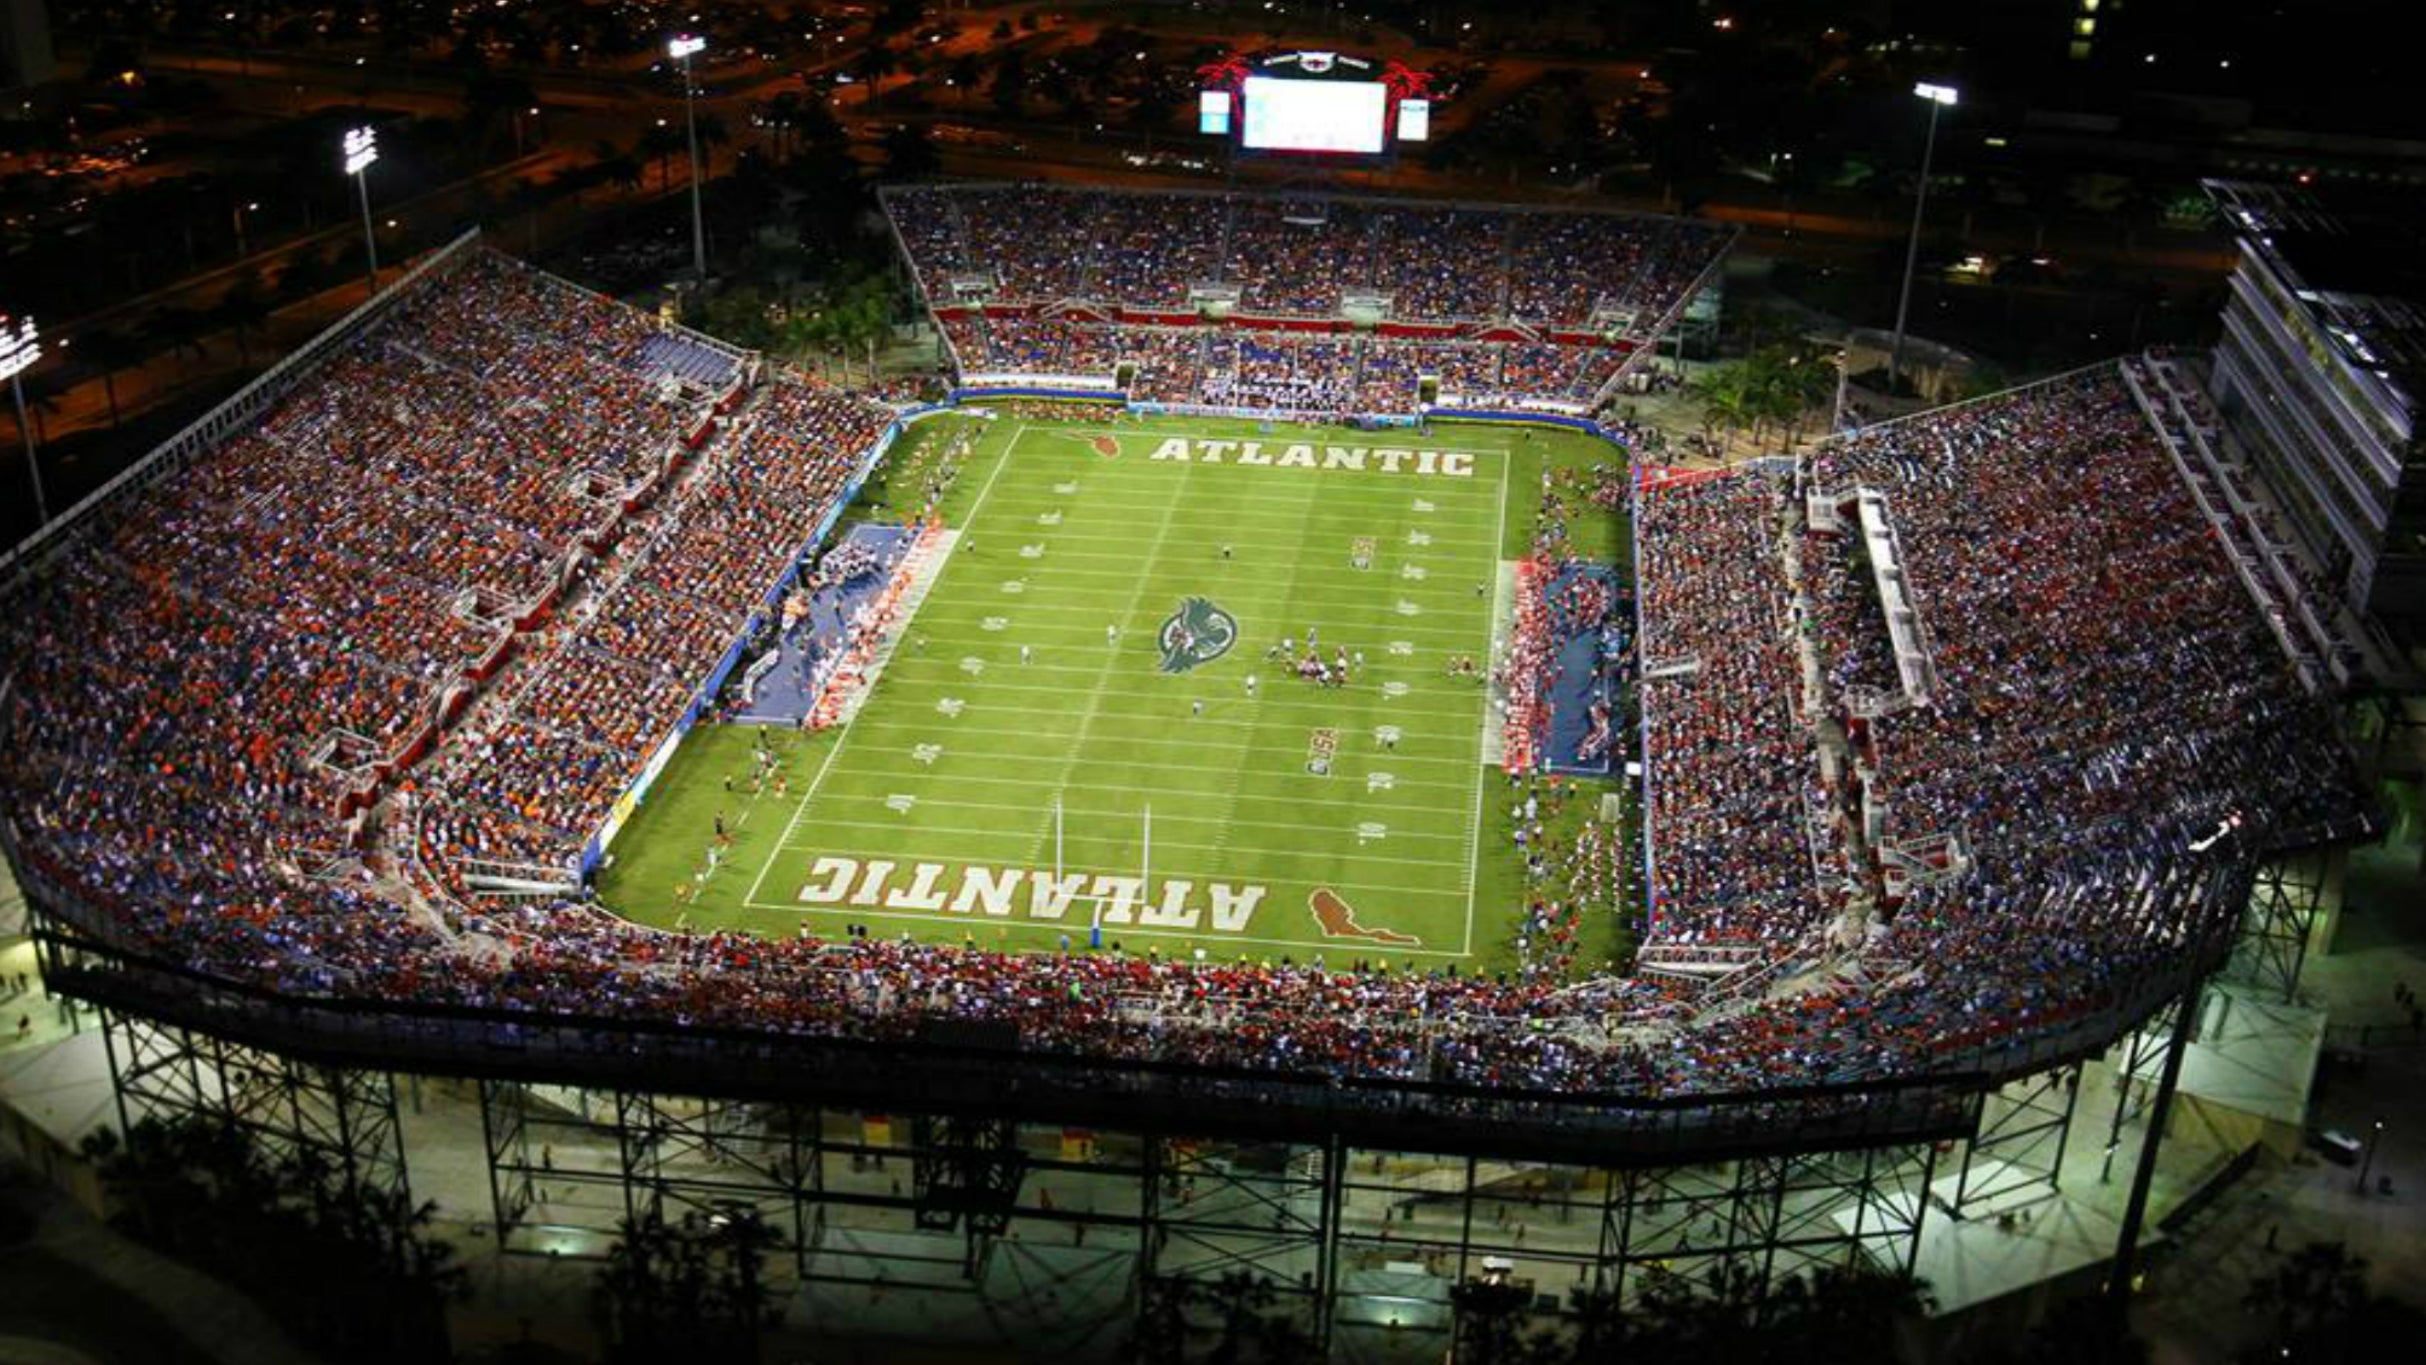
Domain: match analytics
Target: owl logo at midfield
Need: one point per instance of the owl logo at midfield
(1197, 633)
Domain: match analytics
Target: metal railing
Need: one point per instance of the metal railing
(205, 433)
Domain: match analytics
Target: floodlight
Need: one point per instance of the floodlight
(682, 47)
(20, 347)
(1943, 94)
(361, 149)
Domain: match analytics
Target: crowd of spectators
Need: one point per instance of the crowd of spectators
(301, 594)
(1527, 666)
(1727, 758)
(588, 717)
(1246, 368)
(1300, 255)
(1280, 372)
(1035, 345)
(2102, 683)
(1572, 267)
(1584, 288)
(2115, 739)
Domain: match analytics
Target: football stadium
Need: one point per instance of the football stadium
(1270, 746)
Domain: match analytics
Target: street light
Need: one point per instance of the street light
(20, 347)
(243, 208)
(682, 47)
(1939, 97)
(1844, 376)
(361, 149)
(2366, 1163)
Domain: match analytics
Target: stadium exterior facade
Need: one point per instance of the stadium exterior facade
(1777, 1180)
(2316, 374)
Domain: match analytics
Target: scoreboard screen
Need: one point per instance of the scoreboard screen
(1313, 104)
(1286, 115)
(1213, 113)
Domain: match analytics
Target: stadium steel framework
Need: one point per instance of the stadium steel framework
(934, 1165)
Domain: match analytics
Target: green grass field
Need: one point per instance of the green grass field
(932, 811)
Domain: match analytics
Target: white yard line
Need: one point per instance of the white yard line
(1029, 808)
(1225, 529)
(1326, 506)
(1503, 608)
(998, 832)
(1103, 676)
(1357, 803)
(924, 726)
(1326, 703)
(1279, 441)
(1044, 567)
(1474, 843)
(1463, 633)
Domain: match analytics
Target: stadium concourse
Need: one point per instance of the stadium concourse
(1307, 304)
(1999, 803)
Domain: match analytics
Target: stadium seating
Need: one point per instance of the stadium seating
(1727, 759)
(2114, 735)
(1524, 308)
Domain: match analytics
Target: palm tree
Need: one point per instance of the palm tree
(1812, 379)
(1011, 84)
(185, 330)
(487, 97)
(780, 114)
(1488, 1319)
(698, 1286)
(243, 309)
(866, 317)
(964, 76)
(879, 62)
(909, 153)
(661, 140)
(712, 134)
(109, 352)
(813, 335)
(308, 271)
(1726, 399)
(616, 166)
(1776, 397)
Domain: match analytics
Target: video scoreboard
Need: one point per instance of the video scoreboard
(1315, 103)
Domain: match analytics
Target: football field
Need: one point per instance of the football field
(1090, 732)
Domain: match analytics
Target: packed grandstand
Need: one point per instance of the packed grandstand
(1303, 304)
(1957, 737)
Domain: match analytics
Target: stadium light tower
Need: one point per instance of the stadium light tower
(1939, 98)
(361, 149)
(682, 47)
(20, 347)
